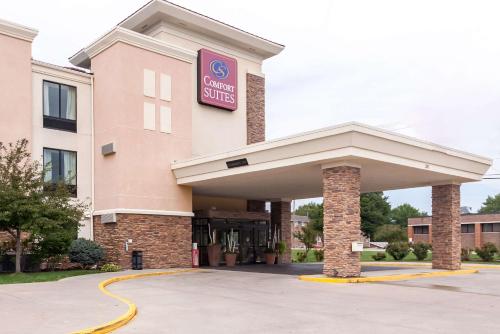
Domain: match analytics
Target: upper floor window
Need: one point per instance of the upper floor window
(467, 228)
(59, 106)
(60, 167)
(424, 229)
(490, 227)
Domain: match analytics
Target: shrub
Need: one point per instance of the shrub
(281, 247)
(487, 252)
(390, 233)
(398, 250)
(465, 254)
(421, 249)
(85, 252)
(301, 256)
(379, 256)
(110, 267)
(319, 254)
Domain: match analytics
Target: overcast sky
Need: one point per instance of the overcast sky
(428, 68)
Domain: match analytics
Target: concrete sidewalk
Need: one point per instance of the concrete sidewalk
(63, 306)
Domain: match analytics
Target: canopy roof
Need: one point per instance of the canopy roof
(291, 167)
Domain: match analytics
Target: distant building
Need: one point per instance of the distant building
(476, 229)
(297, 223)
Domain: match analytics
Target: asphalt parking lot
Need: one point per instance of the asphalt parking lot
(257, 299)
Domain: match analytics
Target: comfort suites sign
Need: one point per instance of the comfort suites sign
(217, 80)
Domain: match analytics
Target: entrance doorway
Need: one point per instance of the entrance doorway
(251, 237)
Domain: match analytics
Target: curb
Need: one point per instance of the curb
(386, 278)
(132, 308)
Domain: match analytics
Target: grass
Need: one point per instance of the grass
(366, 256)
(43, 276)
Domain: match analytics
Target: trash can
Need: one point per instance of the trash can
(137, 260)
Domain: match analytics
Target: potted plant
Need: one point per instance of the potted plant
(213, 249)
(230, 254)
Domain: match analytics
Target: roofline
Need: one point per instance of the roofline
(17, 30)
(74, 71)
(268, 47)
(328, 131)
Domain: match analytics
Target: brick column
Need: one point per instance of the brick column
(281, 216)
(409, 232)
(256, 118)
(341, 219)
(446, 234)
(477, 235)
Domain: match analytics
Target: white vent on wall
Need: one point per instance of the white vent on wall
(165, 87)
(108, 218)
(149, 116)
(149, 83)
(165, 119)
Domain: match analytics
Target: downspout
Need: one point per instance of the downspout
(92, 158)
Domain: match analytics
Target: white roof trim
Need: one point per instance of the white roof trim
(133, 38)
(330, 131)
(18, 31)
(144, 212)
(211, 27)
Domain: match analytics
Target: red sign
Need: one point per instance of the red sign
(217, 80)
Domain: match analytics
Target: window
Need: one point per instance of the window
(421, 229)
(59, 106)
(490, 227)
(60, 167)
(467, 228)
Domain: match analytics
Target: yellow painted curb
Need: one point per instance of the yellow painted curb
(132, 308)
(386, 278)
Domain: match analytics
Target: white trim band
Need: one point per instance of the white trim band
(17, 31)
(144, 212)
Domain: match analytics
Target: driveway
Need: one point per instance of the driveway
(258, 299)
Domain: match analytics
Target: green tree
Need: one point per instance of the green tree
(400, 214)
(29, 206)
(491, 205)
(390, 233)
(307, 236)
(315, 213)
(375, 212)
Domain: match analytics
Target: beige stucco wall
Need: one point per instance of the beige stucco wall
(214, 130)
(81, 142)
(15, 89)
(138, 176)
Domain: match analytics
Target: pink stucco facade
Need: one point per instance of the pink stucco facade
(138, 176)
(15, 89)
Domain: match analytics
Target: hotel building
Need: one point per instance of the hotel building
(161, 126)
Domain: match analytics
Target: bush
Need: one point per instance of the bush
(281, 247)
(390, 233)
(398, 250)
(319, 254)
(301, 256)
(487, 252)
(421, 249)
(111, 267)
(465, 254)
(85, 252)
(379, 256)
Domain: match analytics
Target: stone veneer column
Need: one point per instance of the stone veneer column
(341, 220)
(164, 240)
(256, 120)
(446, 233)
(281, 216)
(477, 235)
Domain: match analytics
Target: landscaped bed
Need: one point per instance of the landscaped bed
(47, 276)
(366, 256)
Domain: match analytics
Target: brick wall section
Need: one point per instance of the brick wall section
(256, 206)
(342, 222)
(446, 234)
(477, 235)
(281, 216)
(256, 120)
(467, 240)
(164, 240)
(466, 218)
(421, 238)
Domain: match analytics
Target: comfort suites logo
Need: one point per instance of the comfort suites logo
(217, 80)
